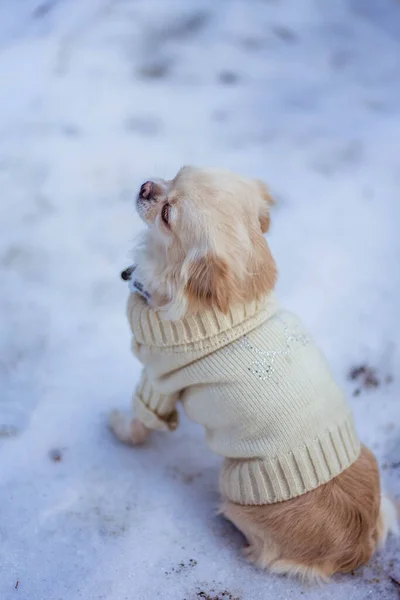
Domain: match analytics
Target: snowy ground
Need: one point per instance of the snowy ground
(95, 96)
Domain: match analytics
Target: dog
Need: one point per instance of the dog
(295, 480)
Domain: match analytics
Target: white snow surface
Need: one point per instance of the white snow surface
(95, 97)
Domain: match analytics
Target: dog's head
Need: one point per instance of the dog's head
(204, 246)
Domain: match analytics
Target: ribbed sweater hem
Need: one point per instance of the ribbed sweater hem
(267, 481)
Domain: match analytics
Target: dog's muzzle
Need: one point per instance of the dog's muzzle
(146, 190)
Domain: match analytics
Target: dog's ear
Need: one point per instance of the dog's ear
(210, 283)
(266, 202)
(262, 268)
(213, 284)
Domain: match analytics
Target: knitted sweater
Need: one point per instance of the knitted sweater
(260, 387)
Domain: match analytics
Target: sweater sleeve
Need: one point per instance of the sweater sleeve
(155, 410)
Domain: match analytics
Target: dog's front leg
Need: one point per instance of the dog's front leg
(128, 429)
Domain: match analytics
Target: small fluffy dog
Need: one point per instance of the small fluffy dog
(210, 335)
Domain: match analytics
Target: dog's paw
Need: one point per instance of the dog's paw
(251, 553)
(139, 432)
(120, 425)
(128, 430)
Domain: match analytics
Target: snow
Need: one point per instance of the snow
(95, 96)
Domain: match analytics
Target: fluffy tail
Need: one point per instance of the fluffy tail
(387, 520)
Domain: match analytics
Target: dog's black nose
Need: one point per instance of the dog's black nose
(146, 191)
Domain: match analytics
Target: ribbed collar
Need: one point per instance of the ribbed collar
(150, 329)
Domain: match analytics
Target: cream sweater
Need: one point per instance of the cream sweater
(260, 387)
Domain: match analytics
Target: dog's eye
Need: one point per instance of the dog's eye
(165, 213)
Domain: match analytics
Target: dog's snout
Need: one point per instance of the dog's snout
(146, 190)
